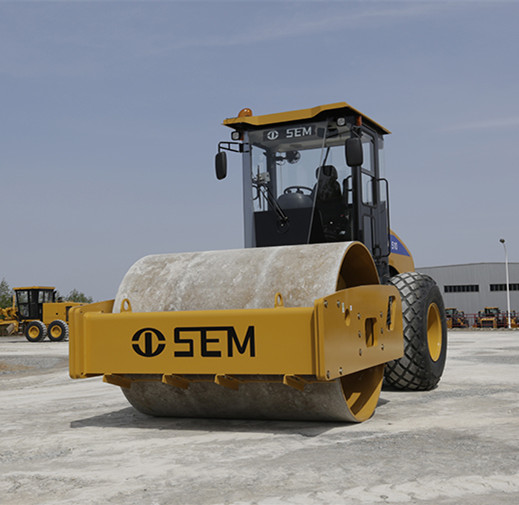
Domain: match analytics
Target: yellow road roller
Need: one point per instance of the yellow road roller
(308, 320)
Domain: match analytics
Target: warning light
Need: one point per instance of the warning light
(245, 112)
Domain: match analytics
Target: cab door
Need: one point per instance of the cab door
(35, 304)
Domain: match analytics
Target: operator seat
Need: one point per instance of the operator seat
(330, 205)
(328, 189)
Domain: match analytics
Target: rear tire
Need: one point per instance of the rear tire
(425, 334)
(35, 331)
(57, 331)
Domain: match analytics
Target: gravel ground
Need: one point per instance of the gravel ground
(69, 442)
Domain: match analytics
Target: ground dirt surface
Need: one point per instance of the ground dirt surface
(65, 441)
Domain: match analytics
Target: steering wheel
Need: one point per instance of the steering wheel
(298, 189)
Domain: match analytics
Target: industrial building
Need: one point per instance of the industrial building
(474, 286)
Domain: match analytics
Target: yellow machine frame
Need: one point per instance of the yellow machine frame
(300, 344)
(57, 310)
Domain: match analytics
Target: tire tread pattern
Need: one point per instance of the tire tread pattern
(64, 327)
(414, 371)
(41, 327)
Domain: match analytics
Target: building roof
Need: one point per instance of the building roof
(489, 263)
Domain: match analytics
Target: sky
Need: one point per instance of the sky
(111, 112)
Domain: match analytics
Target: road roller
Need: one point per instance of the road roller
(319, 310)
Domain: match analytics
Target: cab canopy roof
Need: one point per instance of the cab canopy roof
(34, 287)
(247, 121)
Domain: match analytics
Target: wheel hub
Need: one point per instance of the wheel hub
(434, 331)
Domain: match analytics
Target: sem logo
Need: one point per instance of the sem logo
(203, 341)
(150, 345)
(301, 131)
(272, 134)
(210, 345)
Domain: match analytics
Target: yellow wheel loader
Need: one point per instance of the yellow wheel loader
(38, 314)
(307, 321)
(455, 318)
(491, 317)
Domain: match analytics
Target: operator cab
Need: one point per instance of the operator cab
(30, 301)
(311, 176)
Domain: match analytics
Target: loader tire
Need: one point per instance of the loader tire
(35, 331)
(425, 334)
(57, 331)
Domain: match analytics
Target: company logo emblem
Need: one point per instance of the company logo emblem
(203, 341)
(397, 247)
(211, 338)
(272, 134)
(148, 342)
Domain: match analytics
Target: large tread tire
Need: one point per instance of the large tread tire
(425, 334)
(35, 331)
(57, 331)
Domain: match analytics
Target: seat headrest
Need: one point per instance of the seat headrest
(326, 171)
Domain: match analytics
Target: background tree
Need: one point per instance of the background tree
(6, 294)
(78, 296)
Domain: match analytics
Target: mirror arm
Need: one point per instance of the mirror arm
(235, 147)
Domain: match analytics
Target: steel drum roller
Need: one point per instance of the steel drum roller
(250, 279)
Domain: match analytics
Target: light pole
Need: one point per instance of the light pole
(502, 240)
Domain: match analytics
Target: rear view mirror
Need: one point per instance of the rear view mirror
(220, 161)
(354, 154)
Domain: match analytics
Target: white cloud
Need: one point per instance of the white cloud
(279, 28)
(89, 36)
